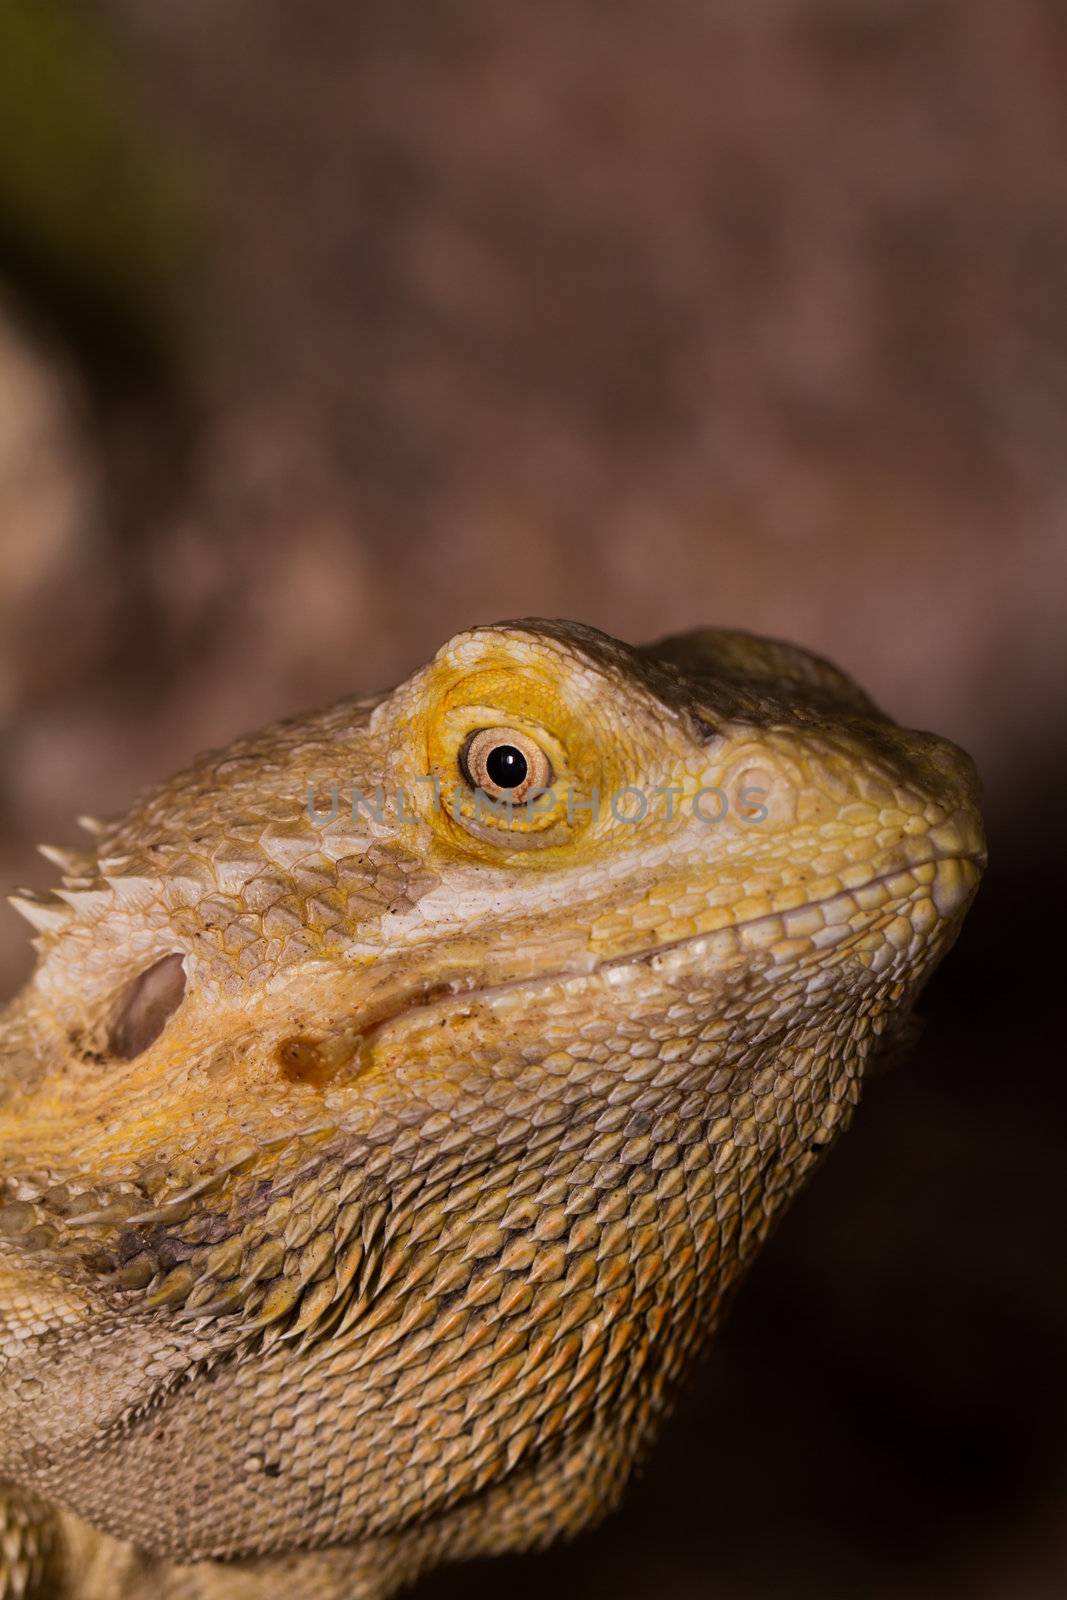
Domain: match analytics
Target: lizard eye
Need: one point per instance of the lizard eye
(505, 763)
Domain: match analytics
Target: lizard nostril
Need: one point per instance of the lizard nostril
(302, 1061)
(315, 1061)
(145, 1007)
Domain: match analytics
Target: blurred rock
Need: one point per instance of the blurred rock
(49, 519)
(56, 589)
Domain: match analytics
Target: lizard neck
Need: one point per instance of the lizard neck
(95, 1566)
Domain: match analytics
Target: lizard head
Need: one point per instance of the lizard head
(399, 1090)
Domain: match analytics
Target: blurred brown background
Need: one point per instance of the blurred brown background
(328, 329)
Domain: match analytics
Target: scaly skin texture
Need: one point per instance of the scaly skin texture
(389, 1239)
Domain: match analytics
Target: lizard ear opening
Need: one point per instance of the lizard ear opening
(145, 1007)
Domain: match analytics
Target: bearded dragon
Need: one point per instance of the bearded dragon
(400, 1093)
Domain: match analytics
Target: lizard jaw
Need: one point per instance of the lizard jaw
(949, 880)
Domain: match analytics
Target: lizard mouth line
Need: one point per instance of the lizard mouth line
(364, 1032)
(438, 994)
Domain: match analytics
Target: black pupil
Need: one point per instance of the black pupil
(506, 766)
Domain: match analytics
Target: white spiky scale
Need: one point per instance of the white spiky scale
(72, 863)
(43, 912)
